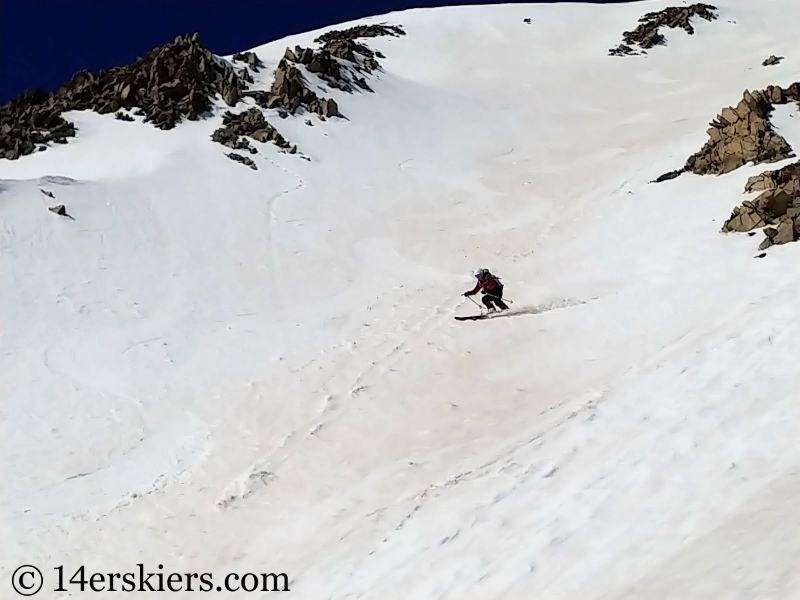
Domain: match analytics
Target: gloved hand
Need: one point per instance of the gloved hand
(466, 294)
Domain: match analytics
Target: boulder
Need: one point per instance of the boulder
(242, 159)
(743, 219)
(784, 232)
(251, 58)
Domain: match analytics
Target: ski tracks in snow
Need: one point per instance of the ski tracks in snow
(271, 221)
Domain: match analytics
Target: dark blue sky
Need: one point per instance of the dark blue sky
(44, 42)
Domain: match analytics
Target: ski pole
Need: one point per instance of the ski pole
(501, 299)
(475, 303)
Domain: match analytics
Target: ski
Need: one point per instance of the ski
(481, 316)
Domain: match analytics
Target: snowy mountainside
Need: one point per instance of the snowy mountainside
(223, 369)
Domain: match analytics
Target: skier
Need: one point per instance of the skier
(492, 290)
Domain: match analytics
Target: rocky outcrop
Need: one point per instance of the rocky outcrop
(242, 159)
(742, 134)
(778, 206)
(180, 80)
(59, 209)
(647, 35)
(342, 44)
(250, 124)
(31, 119)
(786, 179)
(361, 31)
(340, 63)
(623, 50)
(325, 66)
(290, 91)
(172, 82)
(771, 61)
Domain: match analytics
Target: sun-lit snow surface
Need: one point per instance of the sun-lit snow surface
(218, 369)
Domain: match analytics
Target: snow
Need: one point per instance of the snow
(221, 369)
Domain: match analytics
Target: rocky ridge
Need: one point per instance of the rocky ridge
(743, 134)
(340, 63)
(172, 82)
(180, 80)
(647, 35)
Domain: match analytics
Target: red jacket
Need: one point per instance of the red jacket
(487, 284)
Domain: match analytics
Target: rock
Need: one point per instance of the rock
(231, 96)
(290, 92)
(740, 135)
(778, 205)
(48, 193)
(766, 243)
(59, 209)
(242, 159)
(743, 219)
(785, 232)
(776, 94)
(329, 108)
(729, 115)
(759, 182)
(786, 178)
(528, 21)
(251, 124)
(772, 204)
(121, 116)
(362, 31)
(172, 82)
(646, 35)
(251, 58)
(622, 50)
(772, 60)
(668, 176)
(336, 63)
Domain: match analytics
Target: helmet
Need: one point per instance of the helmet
(480, 273)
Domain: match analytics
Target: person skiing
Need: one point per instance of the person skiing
(492, 290)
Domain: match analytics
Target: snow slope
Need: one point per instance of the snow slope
(219, 369)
